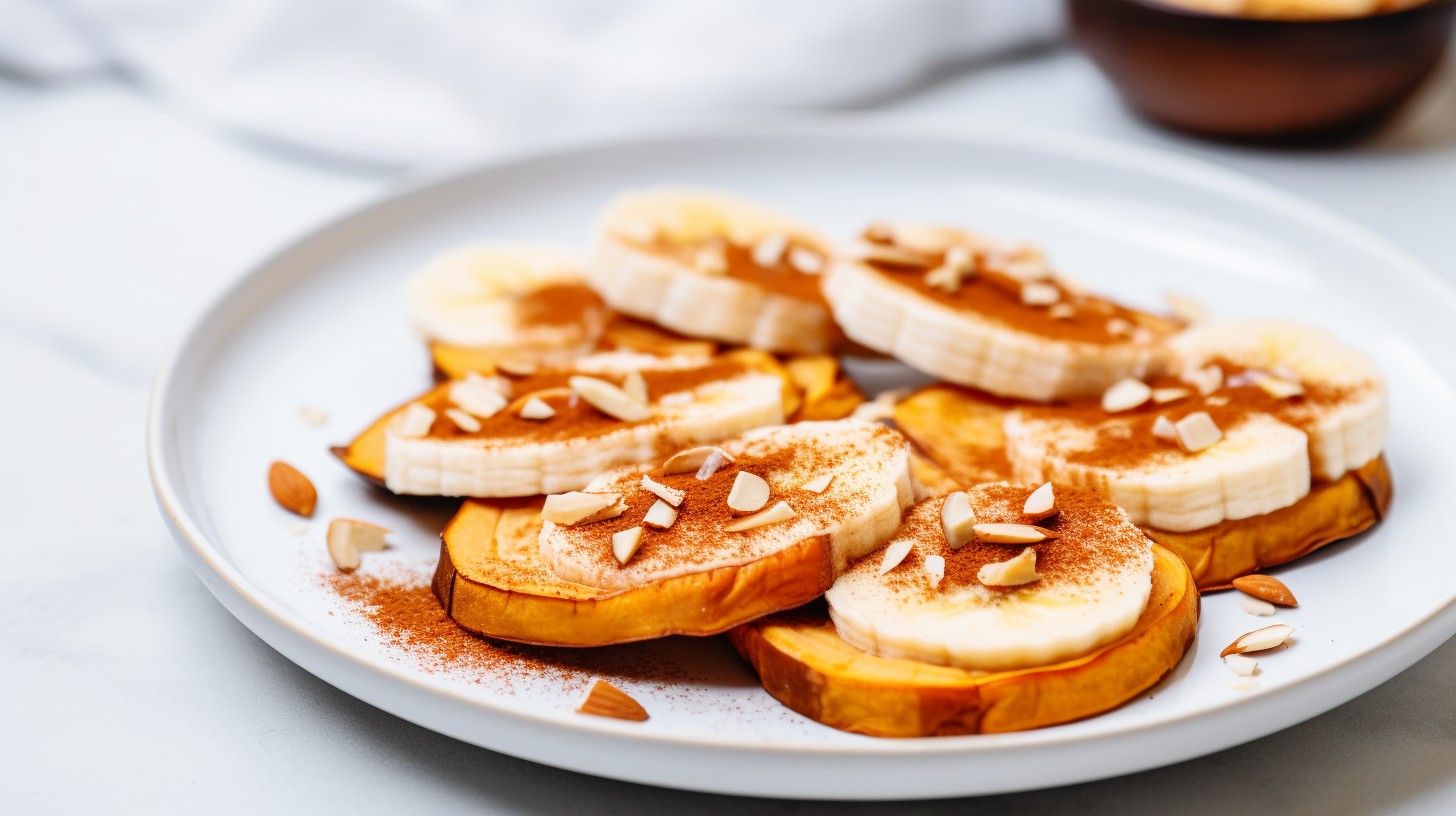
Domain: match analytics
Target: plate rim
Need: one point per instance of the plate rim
(1177, 165)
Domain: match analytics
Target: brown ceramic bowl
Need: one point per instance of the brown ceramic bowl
(1245, 78)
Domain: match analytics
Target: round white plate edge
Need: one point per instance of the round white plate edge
(1272, 710)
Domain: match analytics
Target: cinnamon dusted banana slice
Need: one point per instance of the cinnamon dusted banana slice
(487, 436)
(706, 264)
(1264, 407)
(486, 303)
(1052, 595)
(725, 520)
(809, 668)
(988, 316)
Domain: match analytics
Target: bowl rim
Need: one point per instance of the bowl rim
(1173, 8)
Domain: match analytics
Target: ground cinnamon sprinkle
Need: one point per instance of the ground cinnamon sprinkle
(579, 421)
(560, 304)
(997, 296)
(1126, 440)
(1093, 536)
(781, 278)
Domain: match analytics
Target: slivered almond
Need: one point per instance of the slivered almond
(414, 422)
(577, 507)
(1266, 588)
(1163, 429)
(818, 485)
(660, 516)
(625, 543)
(671, 495)
(749, 493)
(944, 278)
(1207, 379)
(1041, 504)
(606, 700)
(1062, 311)
(711, 260)
(347, 539)
(1278, 388)
(1220, 400)
(516, 368)
(957, 520)
(1256, 607)
(806, 262)
(1039, 294)
(1119, 327)
(1197, 432)
(1241, 665)
(1015, 572)
(716, 459)
(935, 569)
(768, 252)
(1012, 533)
(690, 460)
(1259, 640)
(478, 396)
(928, 240)
(609, 399)
(1162, 396)
(291, 489)
(635, 386)
(462, 420)
(889, 255)
(1125, 395)
(779, 512)
(536, 408)
(312, 415)
(894, 554)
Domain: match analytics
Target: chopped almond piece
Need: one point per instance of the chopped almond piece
(806, 262)
(536, 408)
(1062, 311)
(1241, 665)
(609, 399)
(1126, 395)
(768, 252)
(779, 512)
(625, 543)
(414, 421)
(635, 386)
(689, 461)
(1119, 327)
(312, 415)
(1277, 388)
(1040, 294)
(711, 260)
(671, 495)
(1162, 396)
(481, 396)
(1207, 379)
(348, 538)
(935, 569)
(818, 485)
(1164, 429)
(1197, 432)
(749, 493)
(1015, 572)
(1042, 503)
(1256, 607)
(660, 516)
(606, 700)
(462, 420)
(577, 507)
(894, 554)
(957, 520)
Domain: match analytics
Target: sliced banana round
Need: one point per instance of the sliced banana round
(1259, 410)
(1335, 394)
(529, 302)
(1085, 587)
(870, 487)
(992, 317)
(707, 264)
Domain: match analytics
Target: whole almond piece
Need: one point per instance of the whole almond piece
(291, 489)
(1041, 504)
(1259, 640)
(606, 700)
(1266, 588)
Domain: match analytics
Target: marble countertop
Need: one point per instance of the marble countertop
(126, 686)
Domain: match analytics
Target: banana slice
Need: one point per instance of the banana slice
(856, 512)
(706, 264)
(996, 318)
(525, 302)
(1091, 583)
(1341, 401)
(1274, 404)
(596, 424)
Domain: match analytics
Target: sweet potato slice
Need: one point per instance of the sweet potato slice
(365, 455)
(490, 581)
(960, 431)
(1331, 511)
(805, 665)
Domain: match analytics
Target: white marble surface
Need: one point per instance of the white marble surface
(125, 686)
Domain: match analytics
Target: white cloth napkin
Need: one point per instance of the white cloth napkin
(398, 82)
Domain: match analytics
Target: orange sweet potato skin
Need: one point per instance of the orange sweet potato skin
(806, 666)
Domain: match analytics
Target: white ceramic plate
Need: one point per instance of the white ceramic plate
(321, 323)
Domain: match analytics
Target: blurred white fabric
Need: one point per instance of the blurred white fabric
(398, 82)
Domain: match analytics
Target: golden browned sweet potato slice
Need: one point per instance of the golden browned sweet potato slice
(453, 362)
(629, 334)
(365, 455)
(490, 580)
(960, 431)
(805, 665)
(1331, 511)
